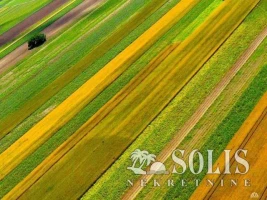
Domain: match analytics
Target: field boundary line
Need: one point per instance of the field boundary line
(38, 24)
(63, 149)
(47, 127)
(190, 124)
(241, 145)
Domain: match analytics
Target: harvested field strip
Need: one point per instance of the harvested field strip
(20, 112)
(53, 158)
(11, 16)
(251, 136)
(135, 102)
(70, 107)
(58, 138)
(112, 184)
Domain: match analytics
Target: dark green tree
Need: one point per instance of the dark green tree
(36, 41)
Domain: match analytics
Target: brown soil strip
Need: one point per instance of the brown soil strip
(191, 123)
(72, 16)
(211, 121)
(25, 24)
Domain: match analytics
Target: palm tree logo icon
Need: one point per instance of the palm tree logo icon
(144, 158)
(141, 157)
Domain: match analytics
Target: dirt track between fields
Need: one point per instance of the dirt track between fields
(192, 122)
(74, 15)
(250, 137)
(25, 24)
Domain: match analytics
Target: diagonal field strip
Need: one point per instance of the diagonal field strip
(38, 172)
(26, 106)
(96, 19)
(103, 144)
(24, 25)
(80, 98)
(75, 14)
(248, 132)
(189, 125)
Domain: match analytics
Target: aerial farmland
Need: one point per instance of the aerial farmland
(133, 99)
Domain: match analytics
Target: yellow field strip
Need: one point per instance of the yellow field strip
(103, 143)
(60, 152)
(87, 92)
(252, 137)
(39, 24)
(220, 24)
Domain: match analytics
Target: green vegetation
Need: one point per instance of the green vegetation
(36, 41)
(41, 88)
(9, 47)
(13, 12)
(126, 114)
(219, 112)
(226, 130)
(81, 118)
(161, 130)
(120, 135)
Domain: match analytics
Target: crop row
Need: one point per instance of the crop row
(161, 130)
(73, 104)
(31, 162)
(15, 12)
(134, 112)
(250, 137)
(48, 83)
(37, 28)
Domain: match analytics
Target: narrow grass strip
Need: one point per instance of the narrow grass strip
(108, 139)
(12, 15)
(34, 102)
(70, 107)
(113, 183)
(53, 158)
(38, 27)
(42, 59)
(224, 132)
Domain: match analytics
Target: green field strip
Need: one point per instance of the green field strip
(70, 39)
(17, 13)
(42, 92)
(174, 13)
(226, 130)
(133, 101)
(38, 27)
(149, 55)
(198, 21)
(218, 112)
(7, 141)
(114, 182)
(23, 187)
(64, 133)
(80, 98)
